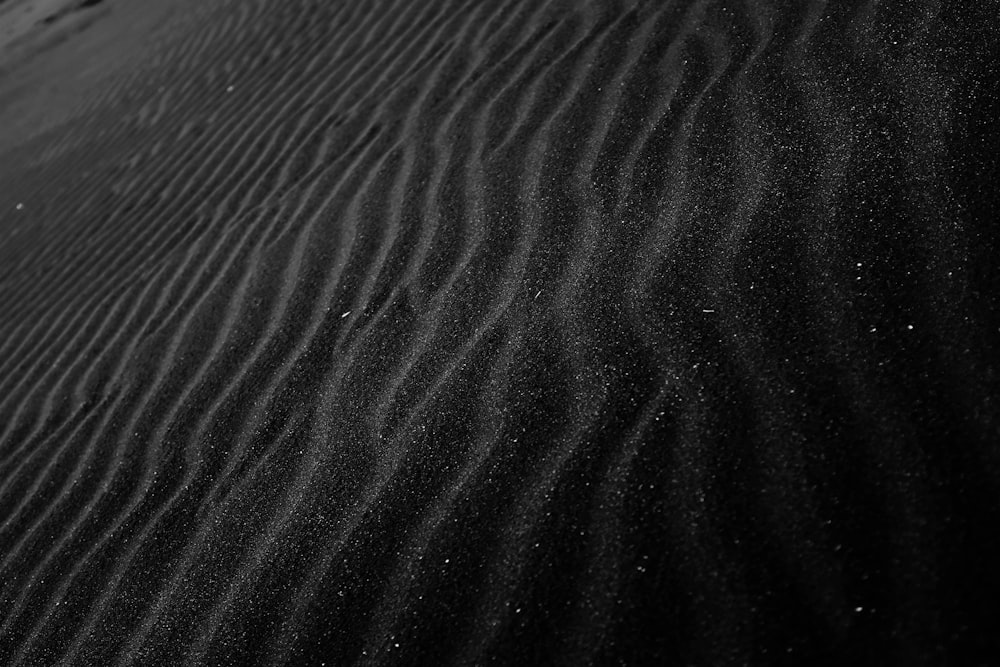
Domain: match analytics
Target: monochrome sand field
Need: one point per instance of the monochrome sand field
(514, 332)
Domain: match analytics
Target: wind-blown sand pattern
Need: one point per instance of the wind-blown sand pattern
(501, 332)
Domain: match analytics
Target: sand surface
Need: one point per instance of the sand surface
(512, 332)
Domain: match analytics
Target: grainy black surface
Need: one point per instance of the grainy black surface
(502, 332)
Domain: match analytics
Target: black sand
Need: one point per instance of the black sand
(499, 332)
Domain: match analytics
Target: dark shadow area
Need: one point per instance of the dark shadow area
(52, 18)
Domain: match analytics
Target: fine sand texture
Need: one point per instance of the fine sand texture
(499, 332)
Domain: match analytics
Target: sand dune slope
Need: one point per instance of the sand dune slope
(502, 332)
